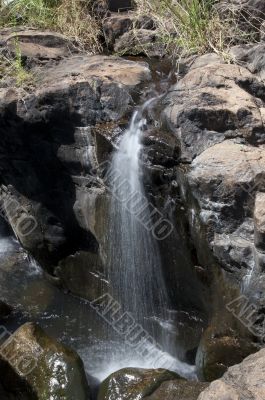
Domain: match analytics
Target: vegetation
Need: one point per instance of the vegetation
(73, 18)
(195, 26)
(13, 67)
(185, 26)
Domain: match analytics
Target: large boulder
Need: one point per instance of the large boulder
(218, 120)
(118, 24)
(140, 42)
(224, 181)
(35, 47)
(242, 381)
(40, 366)
(211, 104)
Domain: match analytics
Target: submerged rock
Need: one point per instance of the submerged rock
(44, 368)
(242, 381)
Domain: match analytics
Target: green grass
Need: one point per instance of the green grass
(192, 26)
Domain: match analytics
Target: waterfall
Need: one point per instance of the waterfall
(134, 269)
(133, 261)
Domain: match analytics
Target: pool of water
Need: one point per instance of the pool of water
(71, 320)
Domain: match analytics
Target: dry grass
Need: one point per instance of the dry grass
(12, 67)
(73, 18)
(197, 26)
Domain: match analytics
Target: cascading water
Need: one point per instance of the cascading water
(134, 267)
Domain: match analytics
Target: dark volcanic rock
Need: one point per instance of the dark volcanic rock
(216, 113)
(140, 42)
(250, 56)
(48, 151)
(208, 106)
(117, 24)
(83, 275)
(35, 46)
(116, 5)
(220, 350)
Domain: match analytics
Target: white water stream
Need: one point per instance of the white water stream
(134, 267)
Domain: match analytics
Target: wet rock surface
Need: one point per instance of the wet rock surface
(136, 384)
(220, 349)
(133, 383)
(35, 364)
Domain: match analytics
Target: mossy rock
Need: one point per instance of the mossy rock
(48, 369)
(133, 383)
